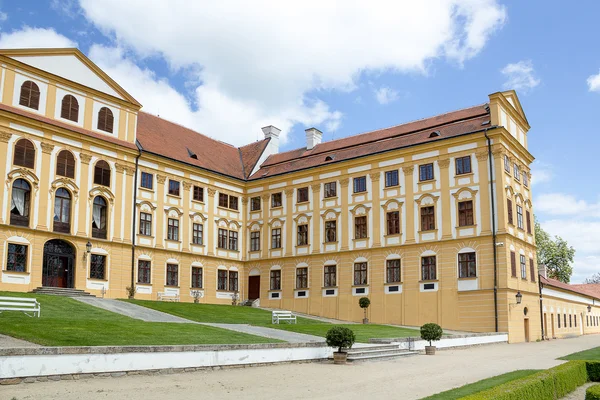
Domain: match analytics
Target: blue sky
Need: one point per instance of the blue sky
(228, 69)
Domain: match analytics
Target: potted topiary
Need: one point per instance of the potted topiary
(364, 303)
(342, 338)
(130, 292)
(431, 332)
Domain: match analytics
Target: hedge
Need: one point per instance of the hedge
(593, 393)
(593, 370)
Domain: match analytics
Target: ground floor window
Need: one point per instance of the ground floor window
(276, 279)
(233, 281)
(428, 272)
(467, 267)
(360, 273)
(196, 277)
(98, 266)
(222, 280)
(143, 271)
(17, 258)
(393, 271)
(172, 275)
(302, 278)
(330, 276)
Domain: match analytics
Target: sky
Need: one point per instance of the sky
(227, 68)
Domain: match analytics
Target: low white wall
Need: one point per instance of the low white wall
(455, 341)
(18, 366)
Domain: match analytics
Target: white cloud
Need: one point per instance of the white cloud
(565, 204)
(29, 37)
(3, 16)
(259, 63)
(541, 172)
(520, 76)
(385, 95)
(594, 83)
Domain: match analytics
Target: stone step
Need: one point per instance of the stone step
(67, 292)
(384, 356)
(373, 348)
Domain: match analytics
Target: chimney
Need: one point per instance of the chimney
(272, 133)
(313, 138)
(542, 271)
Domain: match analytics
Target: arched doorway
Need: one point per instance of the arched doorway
(59, 264)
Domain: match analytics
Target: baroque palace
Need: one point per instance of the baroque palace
(432, 219)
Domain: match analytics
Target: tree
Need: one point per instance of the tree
(593, 279)
(555, 253)
(364, 303)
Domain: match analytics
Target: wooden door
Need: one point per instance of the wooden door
(253, 287)
(527, 330)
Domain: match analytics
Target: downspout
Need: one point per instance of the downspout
(489, 144)
(134, 213)
(541, 286)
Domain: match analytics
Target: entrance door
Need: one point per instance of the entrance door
(526, 330)
(59, 264)
(254, 287)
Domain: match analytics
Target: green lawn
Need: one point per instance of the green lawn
(591, 354)
(363, 332)
(482, 385)
(67, 322)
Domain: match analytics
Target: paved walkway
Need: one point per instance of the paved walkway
(404, 378)
(9, 341)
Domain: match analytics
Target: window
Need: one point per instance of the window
(525, 179)
(69, 108)
(198, 193)
(465, 213)
(233, 202)
(513, 264)
(255, 241)
(173, 229)
(558, 320)
(393, 222)
(98, 267)
(425, 172)
(145, 224)
(360, 273)
(391, 178)
(62, 211)
(427, 218)
(233, 240)
(222, 242)
(516, 172)
(532, 270)
(523, 267)
(99, 218)
(147, 180)
(302, 235)
(330, 276)
(528, 221)
(575, 320)
(467, 265)
(463, 165)
(330, 189)
(197, 234)
(20, 203)
(302, 278)
(302, 195)
(222, 280)
(105, 120)
(428, 272)
(17, 258)
(507, 163)
(65, 164)
(360, 227)
(570, 321)
(276, 279)
(510, 211)
(255, 204)
(174, 187)
(276, 238)
(24, 155)
(223, 200)
(102, 173)
(233, 281)
(565, 320)
(330, 231)
(519, 216)
(172, 275)
(144, 271)
(276, 200)
(197, 277)
(360, 184)
(392, 269)
(30, 95)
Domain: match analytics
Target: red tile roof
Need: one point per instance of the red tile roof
(591, 290)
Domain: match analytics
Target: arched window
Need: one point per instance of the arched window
(70, 108)
(65, 164)
(30, 95)
(19, 203)
(102, 173)
(99, 218)
(24, 154)
(62, 211)
(105, 120)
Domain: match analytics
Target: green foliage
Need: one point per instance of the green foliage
(364, 302)
(555, 254)
(593, 370)
(593, 393)
(553, 383)
(431, 332)
(130, 291)
(340, 337)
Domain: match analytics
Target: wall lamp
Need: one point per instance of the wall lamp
(519, 297)
(88, 250)
(589, 307)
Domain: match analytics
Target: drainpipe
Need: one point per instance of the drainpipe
(541, 286)
(489, 145)
(134, 217)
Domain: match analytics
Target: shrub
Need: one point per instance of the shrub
(431, 332)
(593, 370)
(364, 302)
(593, 393)
(130, 291)
(340, 337)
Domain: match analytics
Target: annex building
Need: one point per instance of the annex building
(432, 219)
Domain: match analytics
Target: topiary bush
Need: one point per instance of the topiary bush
(340, 337)
(431, 332)
(592, 393)
(364, 303)
(593, 370)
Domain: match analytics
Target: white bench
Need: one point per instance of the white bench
(277, 316)
(23, 304)
(166, 296)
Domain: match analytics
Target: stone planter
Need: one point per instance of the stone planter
(339, 357)
(430, 350)
(365, 320)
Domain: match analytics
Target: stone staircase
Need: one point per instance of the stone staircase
(61, 291)
(382, 352)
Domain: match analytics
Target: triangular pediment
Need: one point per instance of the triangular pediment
(513, 99)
